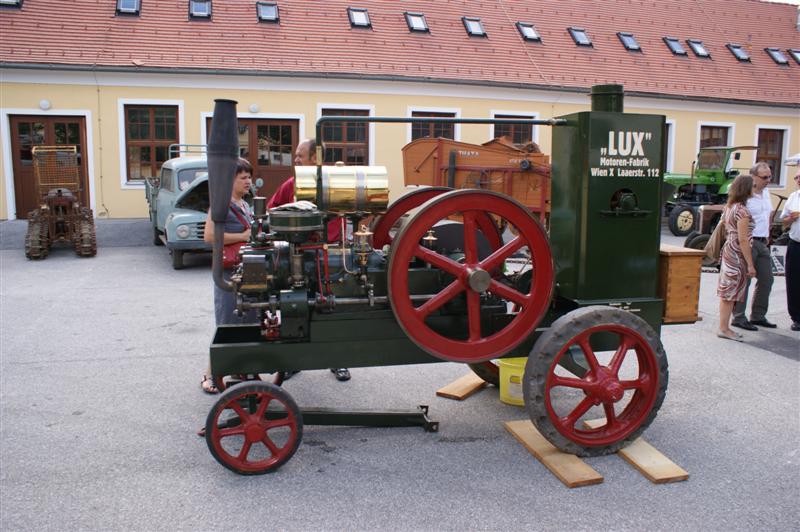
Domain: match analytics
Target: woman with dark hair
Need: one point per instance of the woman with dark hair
(237, 229)
(736, 258)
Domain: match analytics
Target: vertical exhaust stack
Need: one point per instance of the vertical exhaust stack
(223, 152)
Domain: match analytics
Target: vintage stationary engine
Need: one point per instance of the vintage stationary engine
(582, 302)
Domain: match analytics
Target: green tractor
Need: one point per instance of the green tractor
(706, 185)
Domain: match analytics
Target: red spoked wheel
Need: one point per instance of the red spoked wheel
(622, 381)
(224, 382)
(254, 428)
(472, 279)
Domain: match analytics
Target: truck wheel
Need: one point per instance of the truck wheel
(177, 259)
(699, 242)
(689, 238)
(624, 383)
(681, 220)
(157, 237)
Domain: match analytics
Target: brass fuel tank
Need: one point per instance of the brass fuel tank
(345, 189)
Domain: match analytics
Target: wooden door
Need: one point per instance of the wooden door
(269, 145)
(30, 131)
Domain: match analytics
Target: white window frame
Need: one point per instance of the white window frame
(669, 164)
(731, 135)
(8, 164)
(521, 114)
(123, 158)
(355, 107)
(456, 111)
(787, 133)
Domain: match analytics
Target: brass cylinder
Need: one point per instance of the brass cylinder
(345, 189)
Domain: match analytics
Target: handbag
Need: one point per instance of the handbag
(714, 245)
(230, 252)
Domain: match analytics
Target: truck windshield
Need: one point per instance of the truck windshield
(185, 177)
(711, 159)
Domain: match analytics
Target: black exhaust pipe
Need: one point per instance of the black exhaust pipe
(223, 153)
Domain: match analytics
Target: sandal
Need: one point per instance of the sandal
(342, 374)
(208, 385)
(736, 337)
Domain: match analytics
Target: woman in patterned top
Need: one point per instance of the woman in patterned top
(736, 258)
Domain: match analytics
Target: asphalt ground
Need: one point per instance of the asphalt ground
(100, 363)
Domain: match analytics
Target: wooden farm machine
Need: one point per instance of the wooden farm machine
(585, 308)
(60, 216)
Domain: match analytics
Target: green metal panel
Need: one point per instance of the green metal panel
(605, 220)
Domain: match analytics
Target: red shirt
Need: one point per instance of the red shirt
(285, 194)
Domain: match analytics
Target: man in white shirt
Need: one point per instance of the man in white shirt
(760, 207)
(790, 216)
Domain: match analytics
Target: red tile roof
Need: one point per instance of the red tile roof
(315, 38)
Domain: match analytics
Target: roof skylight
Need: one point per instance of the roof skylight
(629, 41)
(474, 26)
(416, 21)
(267, 12)
(580, 36)
(359, 18)
(738, 52)
(795, 53)
(698, 48)
(528, 32)
(777, 56)
(200, 8)
(128, 7)
(675, 46)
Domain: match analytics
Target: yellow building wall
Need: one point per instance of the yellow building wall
(112, 200)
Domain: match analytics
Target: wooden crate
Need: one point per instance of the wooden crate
(679, 283)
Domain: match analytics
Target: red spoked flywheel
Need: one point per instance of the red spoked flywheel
(471, 278)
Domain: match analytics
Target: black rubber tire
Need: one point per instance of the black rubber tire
(550, 344)
(699, 242)
(157, 237)
(689, 238)
(251, 387)
(489, 371)
(177, 259)
(681, 220)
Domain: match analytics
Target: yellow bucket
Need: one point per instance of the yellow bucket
(511, 371)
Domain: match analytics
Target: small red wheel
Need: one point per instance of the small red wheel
(254, 428)
(618, 372)
(223, 385)
(474, 278)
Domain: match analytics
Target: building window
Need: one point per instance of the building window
(420, 130)
(345, 141)
(738, 52)
(416, 21)
(770, 150)
(698, 48)
(10, 3)
(795, 55)
(675, 46)
(149, 130)
(580, 36)
(629, 42)
(474, 26)
(711, 136)
(359, 18)
(777, 56)
(128, 7)
(200, 8)
(528, 32)
(519, 133)
(267, 11)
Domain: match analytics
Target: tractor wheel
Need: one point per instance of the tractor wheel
(254, 428)
(177, 259)
(681, 220)
(157, 237)
(624, 383)
(467, 281)
(689, 238)
(86, 241)
(699, 242)
(488, 371)
(223, 385)
(37, 239)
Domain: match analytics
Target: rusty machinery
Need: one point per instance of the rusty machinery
(584, 307)
(60, 216)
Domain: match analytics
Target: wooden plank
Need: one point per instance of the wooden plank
(568, 468)
(648, 460)
(462, 388)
